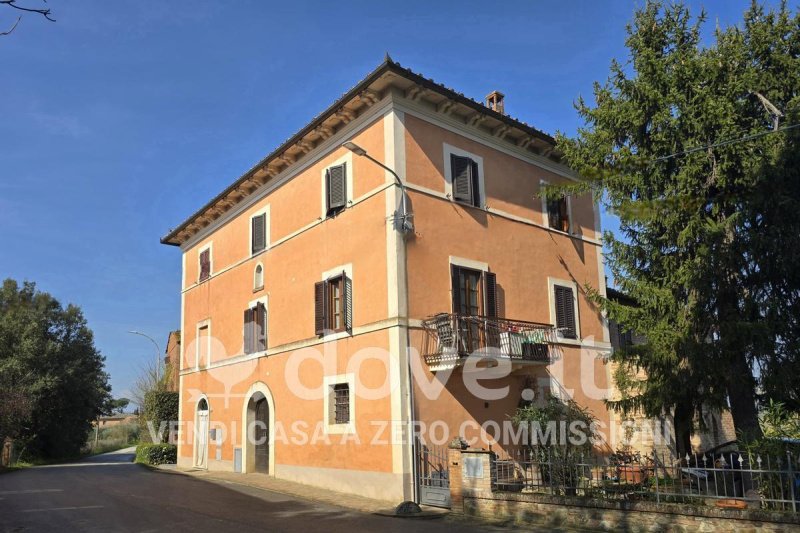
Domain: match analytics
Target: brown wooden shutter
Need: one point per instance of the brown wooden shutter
(455, 280)
(320, 323)
(490, 294)
(461, 172)
(205, 264)
(347, 300)
(259, 230)
(565, 311)
(261, 326)
(248, 331)
(336, 178)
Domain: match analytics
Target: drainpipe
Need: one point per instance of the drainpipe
(404, 224)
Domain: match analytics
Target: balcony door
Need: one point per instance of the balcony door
(468, 303)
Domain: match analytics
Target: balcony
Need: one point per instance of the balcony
(450, 338)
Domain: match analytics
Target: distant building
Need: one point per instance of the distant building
(172, 358)
(719, 428)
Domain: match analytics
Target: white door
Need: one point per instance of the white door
(201, 440)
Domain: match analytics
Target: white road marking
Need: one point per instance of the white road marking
(29, 491)
(83, 464)
(62, 509)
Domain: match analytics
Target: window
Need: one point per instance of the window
(205, 264)
(255, 329)
(564, 300)
(465, 177)
(258, 233)
(474, 291)
(258, 278)
(341, 403)
(203, 344)
(333, 305)
(338, 404)
(335, 189)
(558, 213)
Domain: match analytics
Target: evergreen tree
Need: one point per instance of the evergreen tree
(52, 378)
(682, 147)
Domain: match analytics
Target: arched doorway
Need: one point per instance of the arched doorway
(258, 434)
(201, 435)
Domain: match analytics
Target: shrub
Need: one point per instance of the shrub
(157, 454)
(159, 407)
(560, 456)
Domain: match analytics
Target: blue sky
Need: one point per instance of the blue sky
(122, 118)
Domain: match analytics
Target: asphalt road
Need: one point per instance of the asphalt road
(108, 493)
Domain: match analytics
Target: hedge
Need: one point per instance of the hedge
(157, 454)
(159, 406)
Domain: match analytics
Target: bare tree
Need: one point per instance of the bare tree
(152, 377)
(44, 11)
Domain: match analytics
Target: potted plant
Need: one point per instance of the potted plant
(629, 466)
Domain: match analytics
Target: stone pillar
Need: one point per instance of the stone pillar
(470, 474)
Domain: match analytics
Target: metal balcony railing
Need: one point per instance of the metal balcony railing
(452, 337)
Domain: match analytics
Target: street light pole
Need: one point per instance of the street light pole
(405, 223)
(158, 349)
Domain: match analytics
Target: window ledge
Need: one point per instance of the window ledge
(258, 289)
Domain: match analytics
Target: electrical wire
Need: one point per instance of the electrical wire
(727, 142)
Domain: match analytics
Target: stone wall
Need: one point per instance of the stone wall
(472, 495)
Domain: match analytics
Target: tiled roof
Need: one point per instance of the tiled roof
(388, 65)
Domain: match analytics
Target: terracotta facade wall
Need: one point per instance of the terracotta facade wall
(522, 254)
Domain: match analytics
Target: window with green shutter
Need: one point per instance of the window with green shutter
(258, 226)
(333, 305)
(565, 311)
(336, 189)
(464, 172)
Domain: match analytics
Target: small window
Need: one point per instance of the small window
(333, 306)
(558, 213)
(565, 311)
(341, 403)
(336, 189)
(255, 329)
(202, 346)
(464, 172)
(258, 278)
(258, 226)
(205, 264)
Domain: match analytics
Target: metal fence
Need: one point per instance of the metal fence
(729, 480)
(452, 336)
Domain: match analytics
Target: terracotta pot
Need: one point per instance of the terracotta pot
(632, 474)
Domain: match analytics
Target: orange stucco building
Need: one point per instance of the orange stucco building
(334, 294)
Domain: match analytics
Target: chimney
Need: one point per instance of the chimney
(494, 101)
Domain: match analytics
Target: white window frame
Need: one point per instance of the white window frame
(348, 180)
(545, 214)
(328, 383)
(551, 284)
(267, 243)
(200, 325)
(449, 150)
(257, 287)
(210, 247)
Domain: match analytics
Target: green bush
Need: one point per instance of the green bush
(157, 454)
(159, 407)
